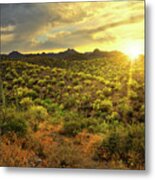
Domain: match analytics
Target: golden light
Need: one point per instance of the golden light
(132, 53)
(133, 50)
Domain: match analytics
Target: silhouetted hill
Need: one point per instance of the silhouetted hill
(69, 54)
(15, 55)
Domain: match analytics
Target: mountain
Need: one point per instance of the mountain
(69, 54)
(15, 55)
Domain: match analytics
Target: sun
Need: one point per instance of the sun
(133, 50)
(132, 53)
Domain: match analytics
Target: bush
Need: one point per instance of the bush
(42, 82)
(31, 81)
(14, 72)
(69, 88)
(23, 91)
(69, 102)
(38, 113)
(16, 125)
(26, 103)
(107, 91)
(87, 82)
(75, 81)
(13, 121)
(19, 80)
(49, 87)
(71, 128)
(103, 105)
(114, 116)
(133, 95)
(36, 88)
(126, 110)
(33, 94)
(124, 144)
(72, 123)
(61, 83)
(49, 105)
(77, 88)
(70, 116)
(142, 114)
(8, 76)
(53, 80)
(112, 143)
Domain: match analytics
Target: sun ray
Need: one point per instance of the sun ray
(128, 89)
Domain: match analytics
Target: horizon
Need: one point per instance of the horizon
(57, 52)
(34, 28)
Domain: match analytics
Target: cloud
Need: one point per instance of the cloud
(7, 38)
(132, 19)
(34, 27)
(30, 20)
(7, 29)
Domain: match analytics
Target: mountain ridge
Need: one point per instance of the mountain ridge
(69, 54)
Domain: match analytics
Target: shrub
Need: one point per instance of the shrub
(38, 113)
(68, 88)
(124, 144)
(21, 80)
(23, 91)
(99, 92)
(38, 101)
(71, 116)
(66, 95)
(32, 94)
(77, 88)
(132, 95)
(117, 86)
(87, 82)
(53, 80)
(49, 105)
(61, 83)
(107, 91)
(47, 77)
(16, 125)
(42, 82)
(126, 109)
(13, 121)
(103, 105)
(75, 81)
(85, 103)
(36, 88)
(71, 128)
(142, 114)
(91, 124)
(49, 87)
(114, 116)
(8, 76)
(31, 81)
(69, 102)
(15, 81)
(74, 123)
(26, 103)
(112, 143)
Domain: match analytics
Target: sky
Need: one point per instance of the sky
(84, 26)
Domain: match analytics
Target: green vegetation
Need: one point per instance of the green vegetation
(92, 108)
